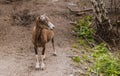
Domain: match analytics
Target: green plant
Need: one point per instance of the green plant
(82, 42)
(84, 27)
(77, 59)
(106, 63)
(75, 45)
(86, 58)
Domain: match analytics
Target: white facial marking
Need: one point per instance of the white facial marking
(46, 19)
(51, 25)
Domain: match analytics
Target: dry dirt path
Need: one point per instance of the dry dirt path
(16, 50)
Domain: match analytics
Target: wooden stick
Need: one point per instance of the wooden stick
(103, 41)
(91, 45)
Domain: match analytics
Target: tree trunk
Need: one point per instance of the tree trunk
(104, 28)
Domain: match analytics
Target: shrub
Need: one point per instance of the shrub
(106, 63)
(77, 59)
(83, 28)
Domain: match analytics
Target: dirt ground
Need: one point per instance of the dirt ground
(17, 56)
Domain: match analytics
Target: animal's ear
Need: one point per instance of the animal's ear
(47, 17)
(38, 18)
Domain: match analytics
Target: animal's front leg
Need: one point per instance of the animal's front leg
(37, 63)
(55, 53)
(42, 59)
(42, 63)
(37, 59)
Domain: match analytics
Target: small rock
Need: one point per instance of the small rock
(72, 4)
(86, 68)
(54, 0)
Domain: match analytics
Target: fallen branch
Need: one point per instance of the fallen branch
(73, 23)
(77, 10)
(80, 13)
(71, 56)
(91, 44)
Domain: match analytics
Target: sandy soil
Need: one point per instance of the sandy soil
(16, 50)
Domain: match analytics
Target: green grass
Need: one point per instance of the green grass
(86, 58)
(76, 59)
(84, 29)
(75, 45)
(105, 62)
(82, 42)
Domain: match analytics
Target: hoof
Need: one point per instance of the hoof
(37, 66)
(42, 66)
(54, 54)
(44, 57)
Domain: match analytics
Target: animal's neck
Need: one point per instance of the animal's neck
(38, 24)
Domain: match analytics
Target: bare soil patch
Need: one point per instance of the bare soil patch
(17, 54)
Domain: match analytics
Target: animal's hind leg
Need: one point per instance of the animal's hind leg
(55, 54)
(42, 59)
(37, 59)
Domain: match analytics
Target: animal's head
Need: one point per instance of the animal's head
(43, 18)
